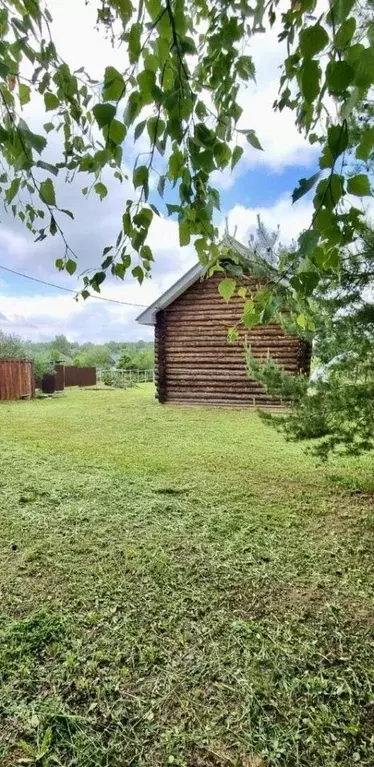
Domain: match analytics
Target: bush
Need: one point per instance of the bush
(117, 379)
(11, 346)
(42, 364)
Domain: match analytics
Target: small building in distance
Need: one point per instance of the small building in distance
(195, 364)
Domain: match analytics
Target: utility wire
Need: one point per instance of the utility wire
(70, 290)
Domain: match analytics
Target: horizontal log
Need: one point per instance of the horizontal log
(196, 362)
(208, 319)
(221, 392)
(241, 402)
(183, 353)
(238, 358)
(219, 340)
(231, 351)
(211, 285)
(229, 396)
(231, 355)
(210, 315)
(232, 358)
(271, 407)
(214, 385)
(212, 376)
(256, 341)
(201, 382)
(220, 308)
(212, 327)
(205, 304)
(212, 367)
(201, 302)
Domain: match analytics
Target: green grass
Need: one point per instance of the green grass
(180, 586)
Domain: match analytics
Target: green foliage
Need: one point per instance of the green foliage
(334, 408)
(305, 185)
(136, 356)
(40, 753)
(47, 192)
(62, 345)
(101, 190)
(94, 355)
(227, 288)
(172, 65)
(51, 101)
(125, 361)
(29, 635)
(114, 85)
(313, 40)
(139, 354)
(336, 414)
(359, 185)
(11, 345)
(117, 379)
(277, 382)
(43, 363)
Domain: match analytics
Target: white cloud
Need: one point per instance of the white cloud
(283, 145)
(292, 219)
(39, 317)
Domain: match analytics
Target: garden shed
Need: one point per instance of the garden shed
(194, 362)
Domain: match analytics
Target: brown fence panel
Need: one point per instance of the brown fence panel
(60, 377)
(80, 376)
(16, 379)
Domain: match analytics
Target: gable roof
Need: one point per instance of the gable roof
(148, 317)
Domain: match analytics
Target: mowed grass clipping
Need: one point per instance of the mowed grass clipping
(179, 586)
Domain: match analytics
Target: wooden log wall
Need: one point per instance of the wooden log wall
(16, 379)
(195, 363)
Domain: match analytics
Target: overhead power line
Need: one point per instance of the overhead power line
(70, 290)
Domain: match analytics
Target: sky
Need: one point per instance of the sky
(261, 183)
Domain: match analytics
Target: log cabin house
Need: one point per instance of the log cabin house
(195, 364)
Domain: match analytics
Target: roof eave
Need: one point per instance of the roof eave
(148, 317)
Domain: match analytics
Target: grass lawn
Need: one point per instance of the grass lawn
(180, 586)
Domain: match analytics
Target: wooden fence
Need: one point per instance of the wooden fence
(16, 379)
(60, 377)
(80, 376)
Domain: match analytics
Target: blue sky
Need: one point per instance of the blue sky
(261, 183)
(263, 187)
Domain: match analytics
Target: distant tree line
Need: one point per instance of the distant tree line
(130, 355)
